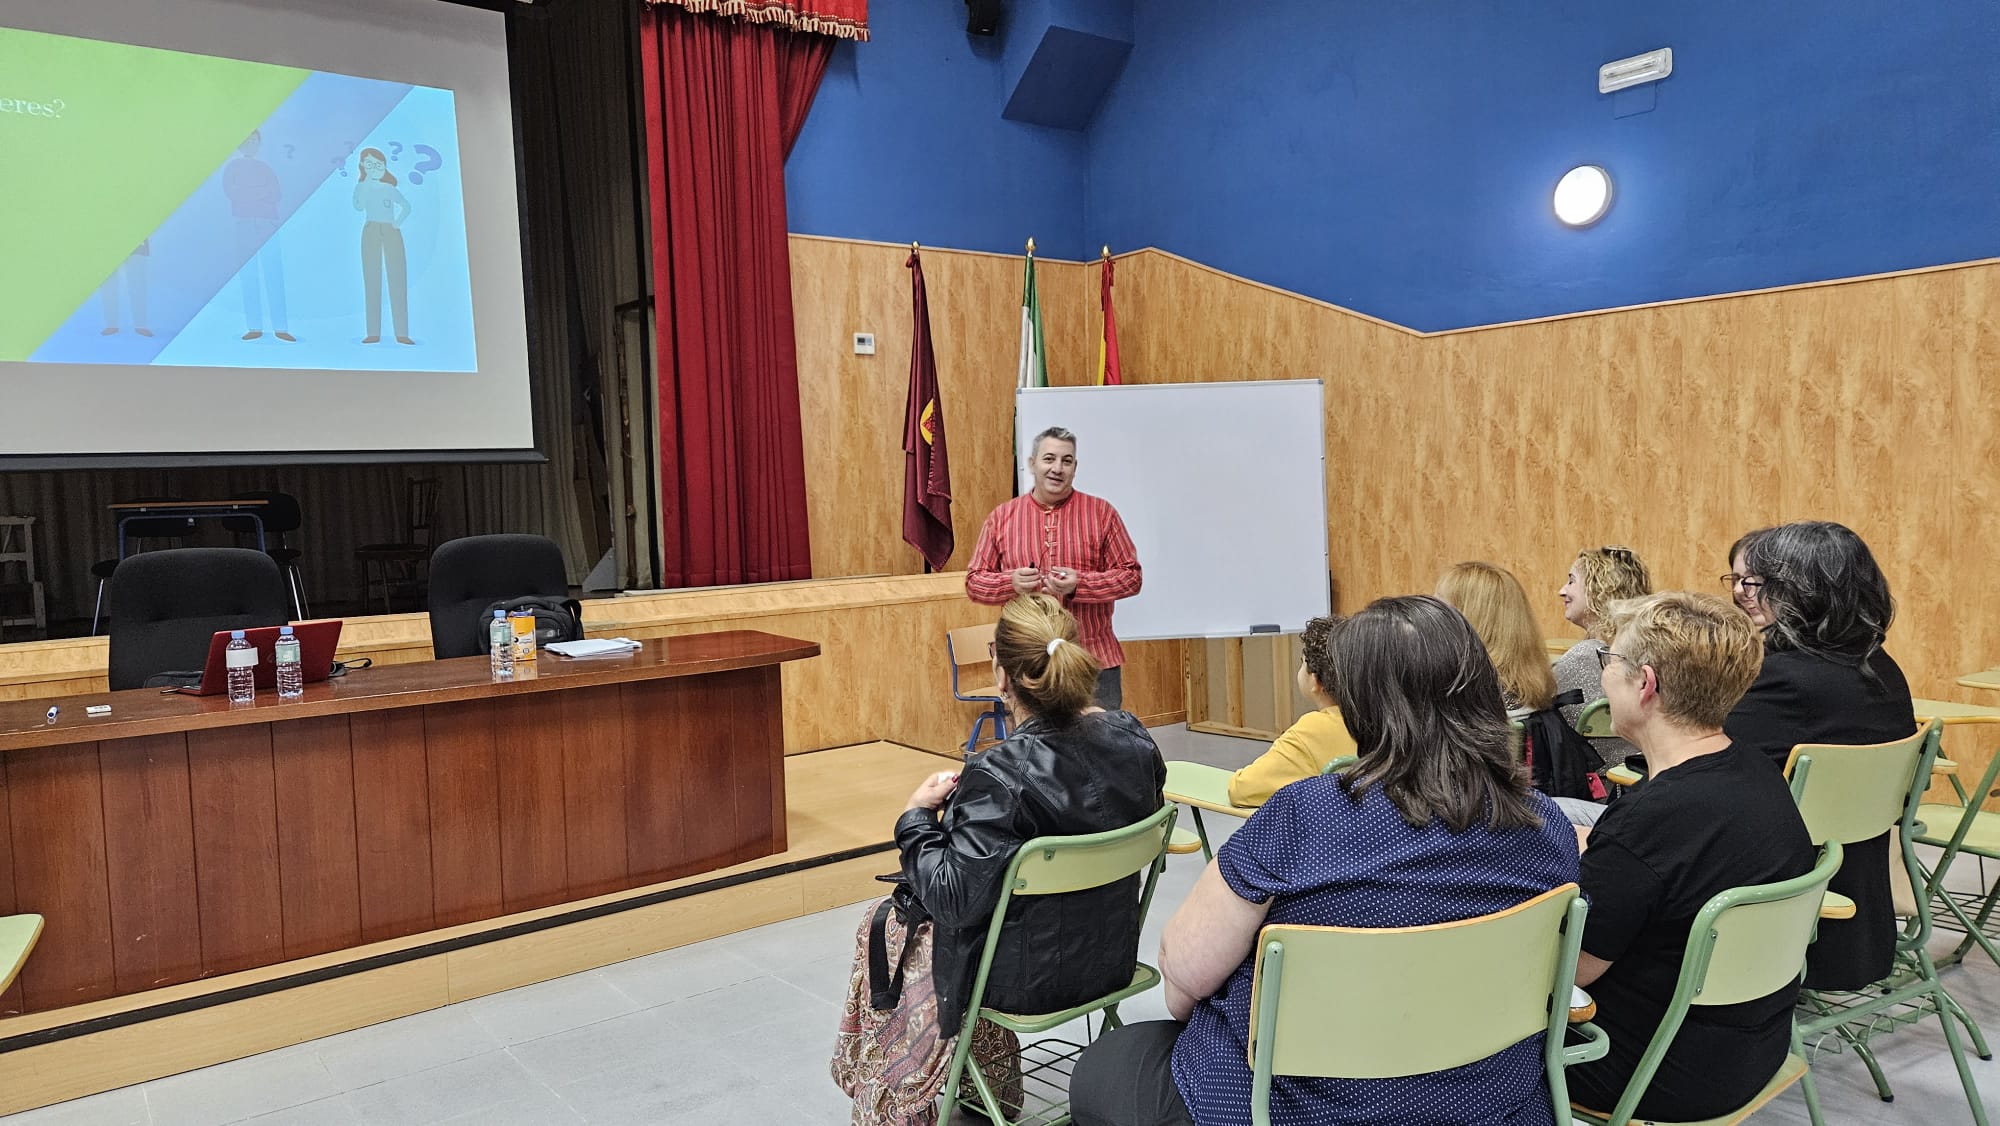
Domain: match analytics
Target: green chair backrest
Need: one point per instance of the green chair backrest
(1594, 722)
(1055, 865)
(1758, 944)
(1416, 999)
(1745, 943)
(1855, 793)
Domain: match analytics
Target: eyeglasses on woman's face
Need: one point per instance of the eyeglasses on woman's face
(1749, 585)
(1606, 655)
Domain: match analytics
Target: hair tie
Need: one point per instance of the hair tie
(1052, 645)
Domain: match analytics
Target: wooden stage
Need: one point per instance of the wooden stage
(842, 806)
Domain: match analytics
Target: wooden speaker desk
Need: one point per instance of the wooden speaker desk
(179, 838)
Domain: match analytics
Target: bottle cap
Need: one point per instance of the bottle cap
(499, 613)
(236, 635)
(284, 631)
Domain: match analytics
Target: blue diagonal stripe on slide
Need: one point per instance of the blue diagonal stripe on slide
(199, 248)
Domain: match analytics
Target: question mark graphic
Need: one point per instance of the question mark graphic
(431, 163)
(290, 150)
(58, 105)
(395, 150)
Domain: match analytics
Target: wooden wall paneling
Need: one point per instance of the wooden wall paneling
(318, 862)
(465, 810)
(232, 787)
(534, 860)
(1155, 681)
(392, 824)
(594, 784)
(10, 997)
(150, 861)
(56, 815)
(1671, 428)
(853, 405)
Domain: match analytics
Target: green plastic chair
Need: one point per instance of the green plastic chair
(1200, 786)
(1746, 943)
(1056, 866)
(1436, 997)
(1964, 828)
(18, 935)
(1594, 722)
(1852, 794)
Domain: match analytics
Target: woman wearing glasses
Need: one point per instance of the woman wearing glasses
(1824, 606)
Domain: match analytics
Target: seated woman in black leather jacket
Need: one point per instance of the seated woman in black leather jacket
(1069, 767)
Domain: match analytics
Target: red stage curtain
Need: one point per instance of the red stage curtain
(842, 19)
(724, 100)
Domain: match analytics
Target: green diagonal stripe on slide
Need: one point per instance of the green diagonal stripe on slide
(101, 142)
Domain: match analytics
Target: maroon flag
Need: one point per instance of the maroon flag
(926, 467)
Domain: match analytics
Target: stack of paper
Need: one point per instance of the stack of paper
(593, 647)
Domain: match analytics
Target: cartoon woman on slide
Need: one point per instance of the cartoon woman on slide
(383, 209)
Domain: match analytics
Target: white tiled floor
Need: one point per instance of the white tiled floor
(738, 1030)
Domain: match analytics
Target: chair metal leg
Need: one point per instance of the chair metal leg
(1951, 1040)
(1201, 830)
(97, 614)
(1971, 1029)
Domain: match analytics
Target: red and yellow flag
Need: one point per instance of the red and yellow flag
(1107, 341)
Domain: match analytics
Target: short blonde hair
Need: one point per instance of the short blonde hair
(1611, 573)
(1491, 599)
(1704, 651)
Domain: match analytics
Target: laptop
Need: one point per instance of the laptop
(317, 641)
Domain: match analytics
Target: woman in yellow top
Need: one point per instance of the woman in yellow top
(1307, 746)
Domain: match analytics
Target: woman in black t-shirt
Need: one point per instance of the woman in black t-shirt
(1711, 816)
(1826, 679)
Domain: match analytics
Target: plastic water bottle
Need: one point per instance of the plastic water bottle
(500, 644)
(291, 674)
(241, 660)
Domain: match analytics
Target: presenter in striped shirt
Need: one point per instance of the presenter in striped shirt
(1065, 543)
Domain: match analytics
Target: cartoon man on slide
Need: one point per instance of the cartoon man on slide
(133, 270)
(253, 191)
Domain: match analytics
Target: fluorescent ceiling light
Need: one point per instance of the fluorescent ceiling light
(1637, 70)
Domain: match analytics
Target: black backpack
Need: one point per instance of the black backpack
(556, 619)
(1562, 761)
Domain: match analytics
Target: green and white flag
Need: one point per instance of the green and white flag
(1034, 370)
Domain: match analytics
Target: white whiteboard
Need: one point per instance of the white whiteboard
(1223, 487)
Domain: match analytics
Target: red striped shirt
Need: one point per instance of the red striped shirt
(1082, 533)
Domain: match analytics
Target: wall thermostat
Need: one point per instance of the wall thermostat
(864, 343)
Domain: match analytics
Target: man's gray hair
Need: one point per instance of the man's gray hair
(1056, 432)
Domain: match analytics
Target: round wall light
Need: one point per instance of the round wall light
(1583, 195)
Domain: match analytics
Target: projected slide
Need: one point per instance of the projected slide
(182, 210)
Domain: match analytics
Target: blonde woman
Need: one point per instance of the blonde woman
(1070, 767)
(1491, 599)
(1599, 577)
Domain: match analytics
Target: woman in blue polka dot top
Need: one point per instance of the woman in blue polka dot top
(1436, 823)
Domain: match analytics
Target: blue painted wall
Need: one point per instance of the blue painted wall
(905, 142)
(1398, 158)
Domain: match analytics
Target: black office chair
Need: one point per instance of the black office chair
(470, 574)
(166, 605)
(281, 516)
(173, 529)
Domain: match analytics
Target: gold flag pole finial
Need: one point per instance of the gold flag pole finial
(913, 246)
(1031, 246)
(1107, 250)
